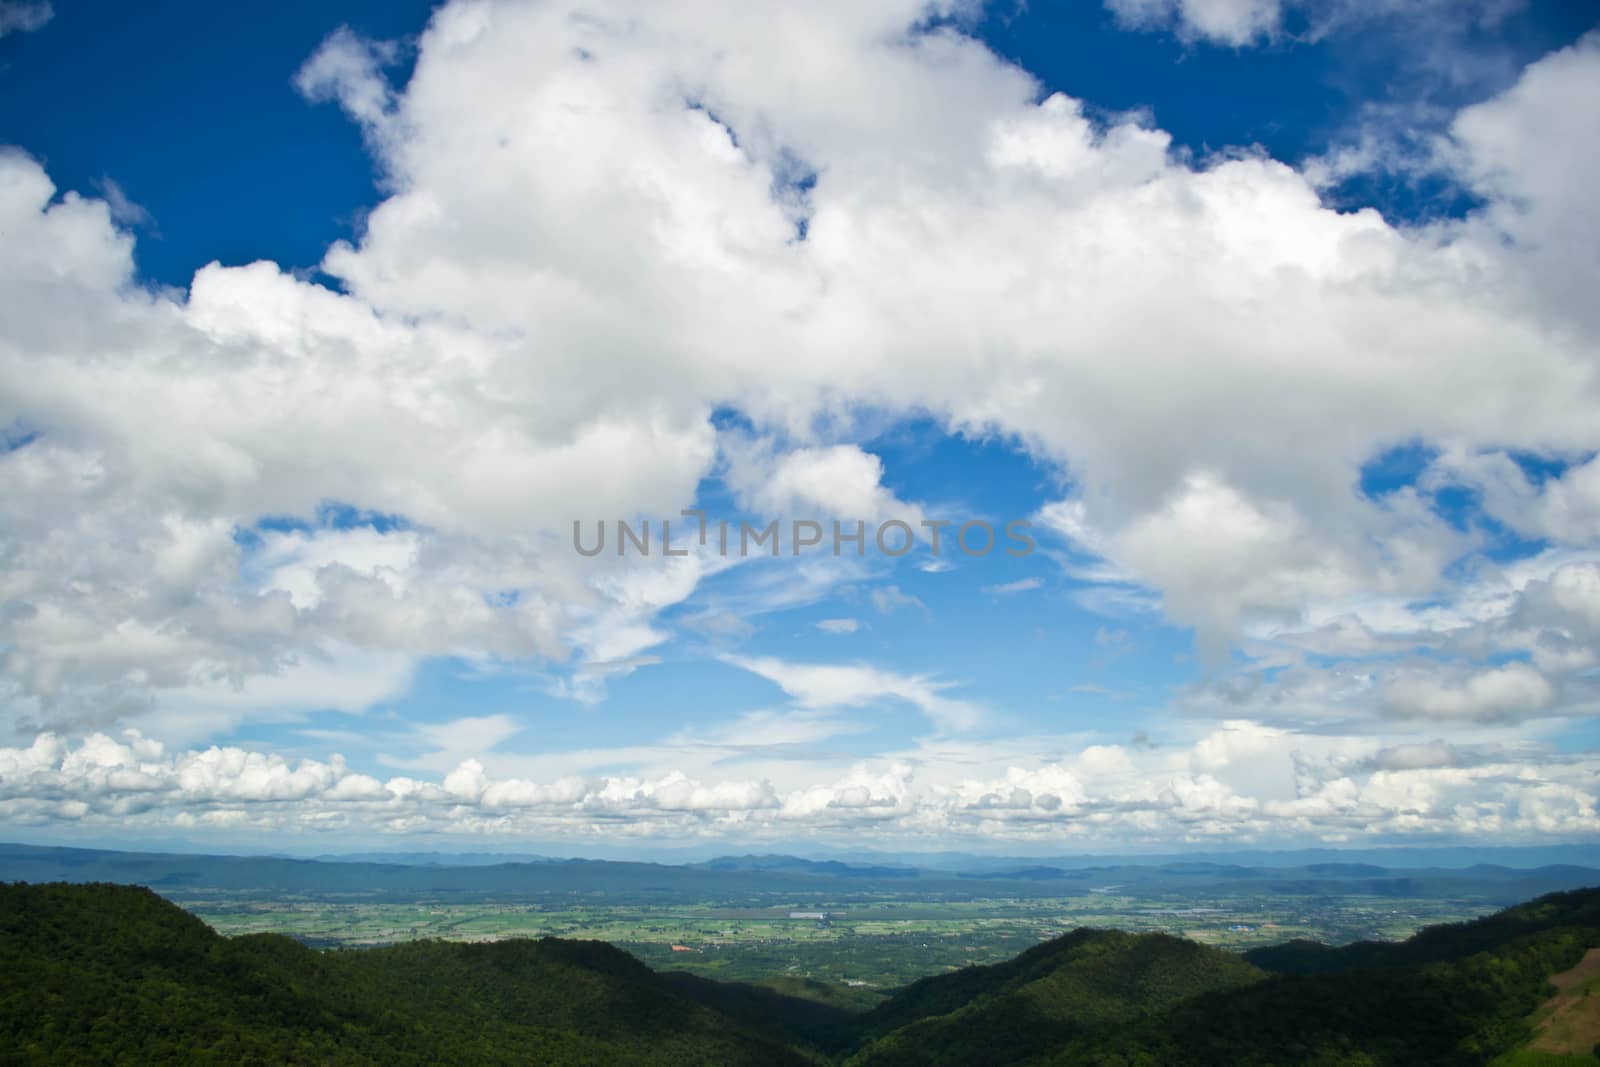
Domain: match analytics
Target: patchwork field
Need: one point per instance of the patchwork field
(861, 944)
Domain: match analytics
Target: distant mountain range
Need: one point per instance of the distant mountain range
(430, 859)
(102, 973)
(756, 876)
(1386, 856)
(1389, 856)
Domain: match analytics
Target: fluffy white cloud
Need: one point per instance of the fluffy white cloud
(1231, 22)
(1510, 692)
(1241, 783)
(1513, 643)
(1564, 509)
(1223, 561)
(603, 229)
(349, 69)
(1526, 153)
(840, 481)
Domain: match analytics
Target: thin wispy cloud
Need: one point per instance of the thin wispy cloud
(1021, 585)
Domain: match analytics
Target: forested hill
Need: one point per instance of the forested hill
(115, 974)
(1443, 943)
(1454, 994)
(1027, 1007)
(1457, 994)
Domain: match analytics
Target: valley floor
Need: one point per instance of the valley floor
(869, 945)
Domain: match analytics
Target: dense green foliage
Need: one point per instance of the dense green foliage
(1441, 1014)
(1458, 993)
(1445, 942)
(101, 973)
(1036, 1003)
(116, 974)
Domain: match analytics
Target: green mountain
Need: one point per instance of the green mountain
(103, 973)
(1445, 942)
(1460, 993)
(115, 974)
(1031, 1005)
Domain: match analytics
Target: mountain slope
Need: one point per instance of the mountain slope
(1568, 1024)
(1436, 944)
(1045, 997)
(113, 973)
(1458, 994)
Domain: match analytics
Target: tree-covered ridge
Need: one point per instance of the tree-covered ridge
(1438, 1014)
(1046, 997)
(1458, 993)
(1442, 943)
(1455, 994)
(102, 973)
(115, 974)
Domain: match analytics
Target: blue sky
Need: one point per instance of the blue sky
(1268, 315)
(190, 110)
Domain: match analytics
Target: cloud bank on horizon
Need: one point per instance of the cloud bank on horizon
(1316, 488)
